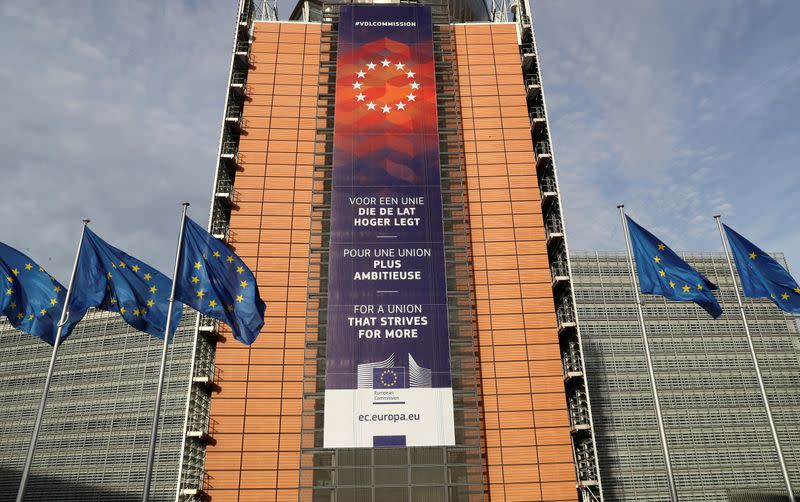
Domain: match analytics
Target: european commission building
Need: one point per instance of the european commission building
(386, 170)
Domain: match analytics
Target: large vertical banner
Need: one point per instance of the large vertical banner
(388, 359)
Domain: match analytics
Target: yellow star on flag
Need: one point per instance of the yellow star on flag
(195, 279)
(240, 270)
(113, 264)
(135, 268)
(243, 284)
(15, 271)
(153, 290)
(198, 265)
(657, 259)
(147, 277)
(785, 296)
(686, 288)
(797, 290)
(28, 266)
(43, 311)
(113, 300)
(122, 310)
(53, 301)
(9, 291)
(150, 302)
(672, 284)
(13, 305)
(753, 255)
(662, 272)
(229, 308)
(9, 279)
(212, 303)
(122, 264)
(20, 315)
(136, 312)
(57, 289)
(216, 254)
(239, 298)
(230, 259)
(108, 275)
(200, 294)
(661, 247)
(699, 286)
(30, 316)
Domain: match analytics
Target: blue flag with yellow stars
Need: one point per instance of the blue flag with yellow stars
(664, 273)
(217, 283)
(761, 275)
(31, 298)
(112, 280)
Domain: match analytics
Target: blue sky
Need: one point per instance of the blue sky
(111, 110)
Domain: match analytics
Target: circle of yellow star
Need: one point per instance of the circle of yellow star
(150, 302)
(216, 254)
(672, 284)
(239, 298)
(662, 272)
(28, 266)
(147, 277)
(135, 268)
(212, 303)
(243, 284)
(662, 247)
(195, 279)
(230, 259)
(240, 270)
(657, 259)
(785, 296)
(198, 265)
(686, 288)
(153, 289)
(200, 294)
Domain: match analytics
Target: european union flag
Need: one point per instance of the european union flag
(664, 273)
(31, 298)
(761, 275)
(389, 378)
(112, 280)
(217, 283)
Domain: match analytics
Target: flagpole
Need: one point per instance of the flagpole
(764, 398)
(673, 492)
(148, 476)
(23, 483)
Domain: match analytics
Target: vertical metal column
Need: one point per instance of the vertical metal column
(673, 492)
(754, 357)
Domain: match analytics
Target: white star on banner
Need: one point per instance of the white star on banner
(371, 105)
(371, 66)
(356, 85)
(399, 66)
(401, 106)
(410, 74)
(411, 97)
(360, 97)
(386, 109)
(414, 85)
(361, 74)
(385, 63)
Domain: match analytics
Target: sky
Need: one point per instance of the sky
(111, 110)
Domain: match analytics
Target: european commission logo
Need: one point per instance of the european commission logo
(389, 378)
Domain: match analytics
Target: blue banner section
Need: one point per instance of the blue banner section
(387, 329)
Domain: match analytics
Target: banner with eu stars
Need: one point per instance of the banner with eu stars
(664, 273)
(214, 281)
(113, 280)
(31, 298)
(761, 275)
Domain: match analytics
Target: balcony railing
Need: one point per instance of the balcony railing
(542, 148)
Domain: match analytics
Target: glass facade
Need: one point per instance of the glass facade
(96, 427)
(716, 426)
